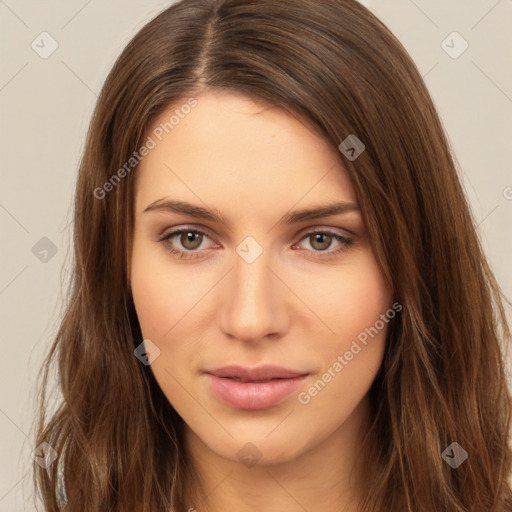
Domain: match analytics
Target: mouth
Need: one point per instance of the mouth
(259, 374)
(239, 379)
(253, 388)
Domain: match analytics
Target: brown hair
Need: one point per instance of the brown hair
(442, 379)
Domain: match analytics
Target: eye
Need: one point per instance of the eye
(322, 240)
(191, 239)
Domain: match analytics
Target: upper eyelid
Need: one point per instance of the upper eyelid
(178, 230)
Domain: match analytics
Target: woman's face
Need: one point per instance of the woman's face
(252, 290)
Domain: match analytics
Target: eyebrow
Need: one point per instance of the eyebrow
(215, 216)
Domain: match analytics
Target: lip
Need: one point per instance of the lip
(253, 388)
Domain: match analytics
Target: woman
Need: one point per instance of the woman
(279, 297)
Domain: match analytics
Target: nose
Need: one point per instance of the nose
(253, 301)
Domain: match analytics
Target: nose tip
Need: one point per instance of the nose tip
(250, 307)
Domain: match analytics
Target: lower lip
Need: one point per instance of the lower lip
(253, 395)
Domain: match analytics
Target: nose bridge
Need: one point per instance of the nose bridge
(252, 308)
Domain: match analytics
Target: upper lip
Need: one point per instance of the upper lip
(260, 373)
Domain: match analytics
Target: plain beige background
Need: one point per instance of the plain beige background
(46, 104)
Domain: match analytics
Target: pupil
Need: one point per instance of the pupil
(189, 238)
(319, 237)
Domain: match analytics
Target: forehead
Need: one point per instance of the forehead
(229, 147)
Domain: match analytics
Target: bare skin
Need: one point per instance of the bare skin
(300, 304)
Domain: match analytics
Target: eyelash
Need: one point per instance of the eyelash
(190, 254)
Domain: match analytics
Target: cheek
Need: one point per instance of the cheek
(170, 303)
(347, 370)
(163, 296)
(352, 302)
(348, 299)
(163, 292)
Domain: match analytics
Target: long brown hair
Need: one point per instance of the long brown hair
(335, 65)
